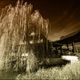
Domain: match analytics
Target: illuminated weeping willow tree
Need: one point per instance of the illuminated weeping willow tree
(15, 26)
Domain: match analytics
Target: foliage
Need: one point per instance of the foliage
(68, 72)
(15, 25)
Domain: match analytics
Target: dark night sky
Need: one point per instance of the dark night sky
(64, 15)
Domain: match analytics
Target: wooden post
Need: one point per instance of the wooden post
(73, 47)
(56, 50)
(67, 46)
(61, 49)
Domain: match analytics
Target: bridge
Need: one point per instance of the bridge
(68, 41)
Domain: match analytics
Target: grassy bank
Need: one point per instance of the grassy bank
(68, 72)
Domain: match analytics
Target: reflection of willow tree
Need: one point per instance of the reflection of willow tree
(15, 24)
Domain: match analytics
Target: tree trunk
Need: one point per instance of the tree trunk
(32, 62)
